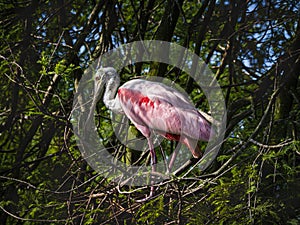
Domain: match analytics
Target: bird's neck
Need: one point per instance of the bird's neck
(110, 92)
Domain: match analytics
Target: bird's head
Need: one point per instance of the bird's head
(102, 77)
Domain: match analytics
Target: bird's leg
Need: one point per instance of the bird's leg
(173, 158)
(153, 165)
(153, 170)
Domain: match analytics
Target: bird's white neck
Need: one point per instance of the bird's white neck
(109, 95)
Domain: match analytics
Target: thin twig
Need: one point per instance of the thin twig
(285, 143)
(31, 220)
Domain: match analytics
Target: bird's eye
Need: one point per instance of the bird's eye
(97, 78)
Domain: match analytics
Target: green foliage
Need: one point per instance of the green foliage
(152, 212)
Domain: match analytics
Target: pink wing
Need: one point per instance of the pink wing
(154, 106)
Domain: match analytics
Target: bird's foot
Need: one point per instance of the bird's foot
(150, 196)
(145, 199)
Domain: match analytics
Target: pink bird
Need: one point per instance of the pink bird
(153, 107)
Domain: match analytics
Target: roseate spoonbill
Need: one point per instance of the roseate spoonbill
(153, 107)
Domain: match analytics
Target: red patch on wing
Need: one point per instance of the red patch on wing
(121, 91)
(146, 101)
(126, 94)
(135, 97)
(172, 137)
